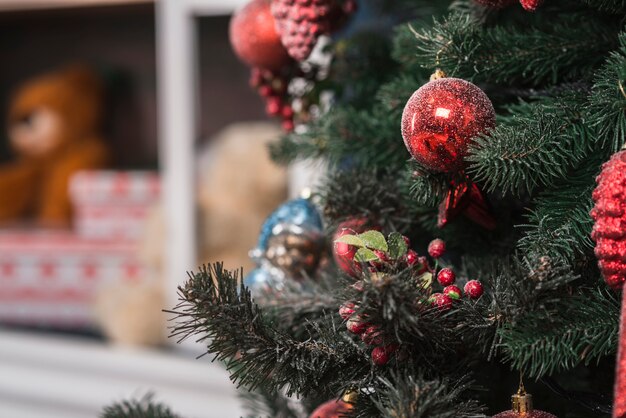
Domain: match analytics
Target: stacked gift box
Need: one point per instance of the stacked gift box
(51, 278)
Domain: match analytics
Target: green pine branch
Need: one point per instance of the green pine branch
(417, 397)
(534, 146)
(569, 48)
(142, 408)
(581, 329)
(607, 102)
(221, 313)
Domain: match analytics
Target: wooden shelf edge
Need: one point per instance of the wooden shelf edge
(25, 5)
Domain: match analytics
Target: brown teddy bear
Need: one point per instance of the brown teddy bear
(53, 124)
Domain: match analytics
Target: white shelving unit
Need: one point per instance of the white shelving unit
(17, 5)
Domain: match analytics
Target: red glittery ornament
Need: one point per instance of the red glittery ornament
(609, 233)
(346, 310)
(372, 335)
(331, 409)
(522, 407)
(609, 214)
(440, 120)
(437, 248)
(441, 301)
(300, 24)
(474, 289)
(382, 354)
(254, 38)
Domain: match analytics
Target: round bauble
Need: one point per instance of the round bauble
(294, 250)
(440, 120)
(532, 414)
(609, 214)
(331, 409)
(298, 212)
(261, 282)
(453, 292)
(254, 38)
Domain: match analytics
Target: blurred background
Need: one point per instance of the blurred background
(132, 151)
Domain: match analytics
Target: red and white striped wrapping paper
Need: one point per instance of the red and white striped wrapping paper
(113, 204)
(115, 188)
(51, 278)
(110, 222)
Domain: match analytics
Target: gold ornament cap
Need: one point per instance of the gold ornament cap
(522, 402)
(437, 75)
(350, 396)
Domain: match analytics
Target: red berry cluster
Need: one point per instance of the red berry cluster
(272, 86)
(370, 334)
(446, 278)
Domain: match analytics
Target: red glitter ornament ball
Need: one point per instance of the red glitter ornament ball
(331, 409)
(531, 414)
(609, 214)
(372, 335)
(474, 289)
(346, 310)
(300, 24)
(254, 38)
(356, 325)
(437, 248)
(440, 120)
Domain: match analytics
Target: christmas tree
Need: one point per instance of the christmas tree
(463, 143)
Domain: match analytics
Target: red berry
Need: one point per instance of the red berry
(346, 310)
(372, 335)
(424, 267)
(407, 241)
(287, 112)
(256, 78)
(273, 106)
(381, 354)
(474, 289)
(265, 91)
(356, 325)
(441, 301)
(344, 253)
(288, 125)
(453, 292)
(358, 286)
(437, 248)
(446, 277)
(382, 256)
(412, 258)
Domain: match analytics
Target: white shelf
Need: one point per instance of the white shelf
(17, 5)
(64, 377)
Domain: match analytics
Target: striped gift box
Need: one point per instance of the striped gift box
(112, 204)
(51, 278)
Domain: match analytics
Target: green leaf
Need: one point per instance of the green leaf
(364, 255)
(397, 246)
(374, 240)
(351, 240)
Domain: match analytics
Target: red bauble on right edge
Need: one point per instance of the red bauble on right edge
(440, 120)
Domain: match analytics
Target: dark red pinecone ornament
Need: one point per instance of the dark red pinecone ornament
(609, 233)
(609, 214)
(301, 22)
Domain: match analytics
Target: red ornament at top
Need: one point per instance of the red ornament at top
(437, 248)
(331, 409)
(254, 38)
(609, 214)
(441, 118)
